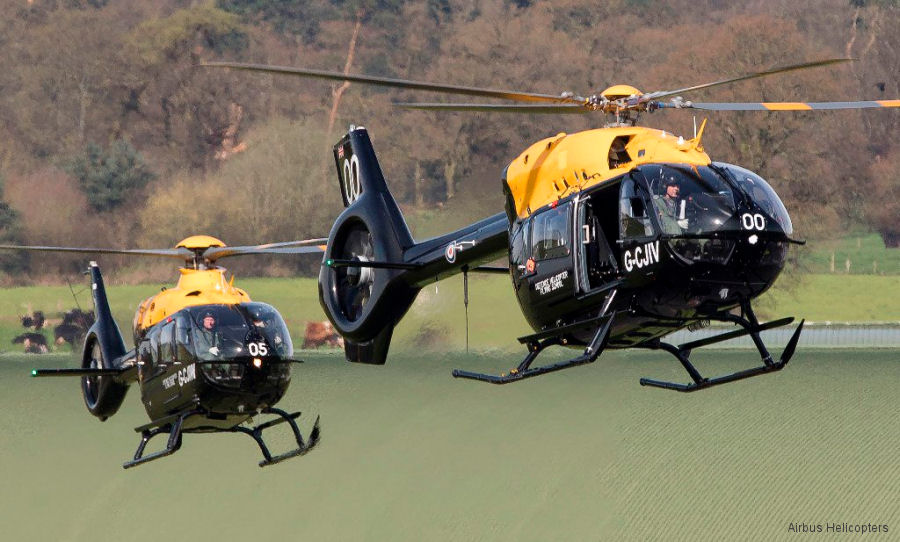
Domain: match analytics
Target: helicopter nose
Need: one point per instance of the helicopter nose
(761, 257)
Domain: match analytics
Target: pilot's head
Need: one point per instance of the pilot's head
(672, 187)
(209, 321)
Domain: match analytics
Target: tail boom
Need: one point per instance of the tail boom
(373, 267)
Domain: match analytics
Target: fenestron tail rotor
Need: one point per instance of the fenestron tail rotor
(354, 284)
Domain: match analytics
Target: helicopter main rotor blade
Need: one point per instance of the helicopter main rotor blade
(181, 253)
(497, 108)
(643, 98)
(780, 106)
(309, 246)
(302, 243)
(400, 83)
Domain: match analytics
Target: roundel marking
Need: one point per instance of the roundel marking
(450, 252)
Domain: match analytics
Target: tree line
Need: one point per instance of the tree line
(112, 136)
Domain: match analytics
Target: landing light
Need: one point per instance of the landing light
(257, 363)
(753, 239)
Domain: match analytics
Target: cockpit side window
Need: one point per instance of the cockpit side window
(550, 233)
(182, 337)
(166, 343)
(633, 213)
(517, 248)
(145, 357)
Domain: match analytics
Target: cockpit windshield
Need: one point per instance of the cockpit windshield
(227, 332)
(689, 199)
(761, 193)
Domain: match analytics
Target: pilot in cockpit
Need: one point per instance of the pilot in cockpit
(209, 339)
(671, 206)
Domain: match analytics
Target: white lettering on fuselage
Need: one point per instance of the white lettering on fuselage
(555, 282)
(352, 184)
(169, 381)
(182, 377)
(187, 374)
(644, 256)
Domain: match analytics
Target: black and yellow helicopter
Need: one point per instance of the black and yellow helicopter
(616, 236)
(206, 357)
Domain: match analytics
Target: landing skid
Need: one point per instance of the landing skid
(172, 446)
(173, 426)
(750, 327)
(301, 449)
(524, 370)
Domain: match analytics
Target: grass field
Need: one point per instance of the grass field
(438, 319)
(836, 298)
(408, 453)
(863, 252)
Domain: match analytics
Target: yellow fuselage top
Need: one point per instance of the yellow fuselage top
(195, 287)
(558, 166)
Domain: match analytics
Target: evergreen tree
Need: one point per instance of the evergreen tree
(10, 234)
(108, 176)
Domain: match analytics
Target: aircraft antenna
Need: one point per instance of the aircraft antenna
(465, 270)
(75, 297)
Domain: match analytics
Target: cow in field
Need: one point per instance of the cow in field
(322, 334)
(74, 327)
(34, 320)
(33, 343)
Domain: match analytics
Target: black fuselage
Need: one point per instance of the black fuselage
(229, 376)
(667, 272)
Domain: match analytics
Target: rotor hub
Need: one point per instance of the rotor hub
(619, 92)
(202, 242)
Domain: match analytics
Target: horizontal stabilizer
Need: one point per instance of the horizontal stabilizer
(77, 372)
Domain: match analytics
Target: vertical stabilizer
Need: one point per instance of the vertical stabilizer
(363, 302)
(103, 348)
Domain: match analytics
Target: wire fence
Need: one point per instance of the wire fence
(815, 334)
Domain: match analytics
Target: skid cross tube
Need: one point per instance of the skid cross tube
(173, 426)
(256, 434)
(751, 327)
(172, 445)
(524, 370)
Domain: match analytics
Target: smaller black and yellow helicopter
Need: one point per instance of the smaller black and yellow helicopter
(206, 357)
